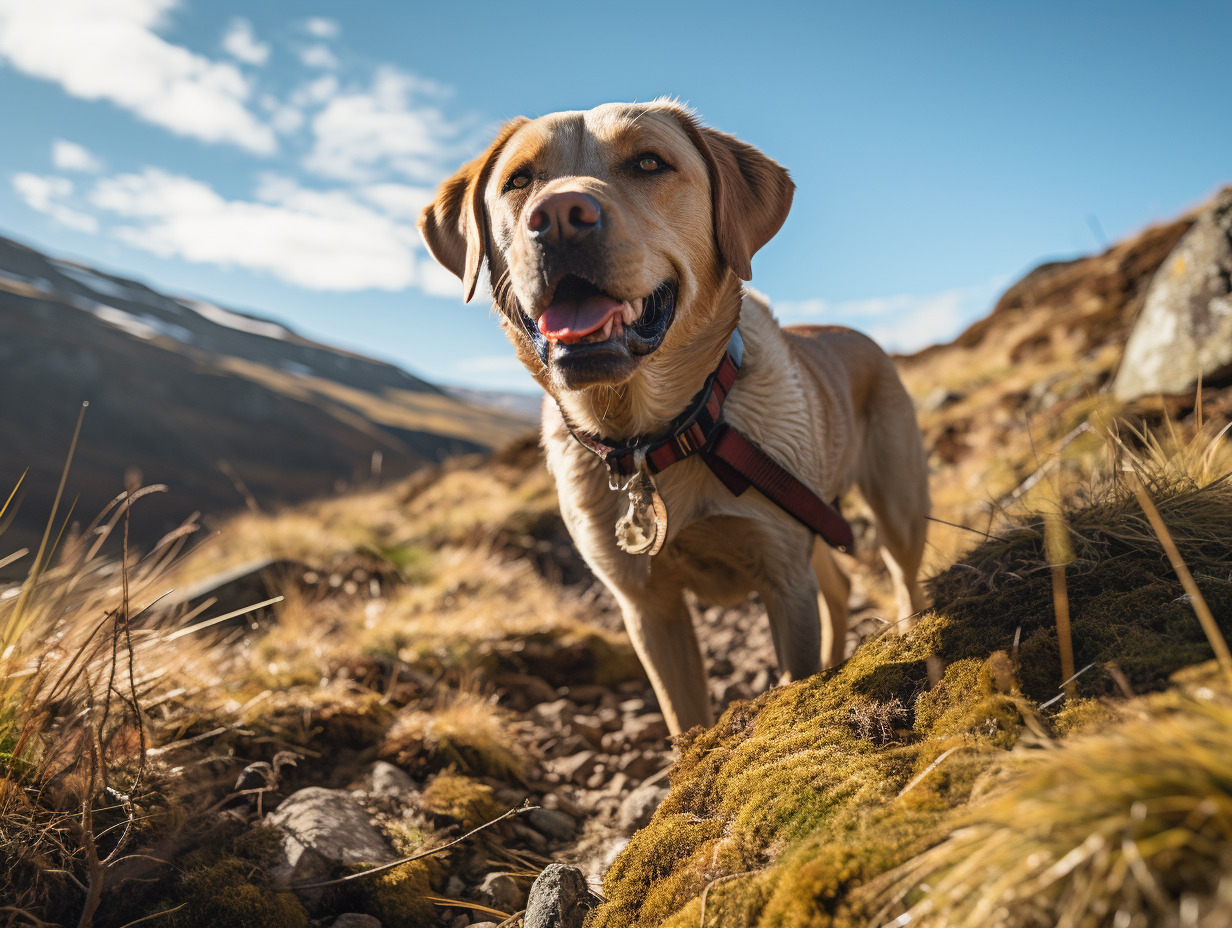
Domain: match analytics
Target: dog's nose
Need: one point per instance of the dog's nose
(563, 218)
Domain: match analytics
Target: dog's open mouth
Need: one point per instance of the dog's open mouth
(582, 320)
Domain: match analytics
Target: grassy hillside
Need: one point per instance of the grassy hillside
(432, 653)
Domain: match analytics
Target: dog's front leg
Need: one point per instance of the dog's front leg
(795, 623)
(659, 623)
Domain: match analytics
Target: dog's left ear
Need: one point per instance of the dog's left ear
(751, 194)
(454, 225)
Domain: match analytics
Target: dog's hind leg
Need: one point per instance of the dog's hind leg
(893, 479)
(662, 632)
(795, 624)
(835, 593)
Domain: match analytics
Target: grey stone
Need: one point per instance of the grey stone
(553, 823)
(355, 920)
(322, 832)
(384, 779)
(238, 588)
(559, 898)
(576, 767)
(637, 808)
(647, 728)
(1185, 327)
(502, 891)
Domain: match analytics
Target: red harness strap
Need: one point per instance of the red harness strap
(733, 458)
(739, 463)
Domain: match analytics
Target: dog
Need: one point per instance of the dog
(616, 241)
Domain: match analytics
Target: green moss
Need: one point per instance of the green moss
(397, 897)
(789, 809)
(223, 893)
(468, 801)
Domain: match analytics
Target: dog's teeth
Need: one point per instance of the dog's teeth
(607, 329)
(632, 312)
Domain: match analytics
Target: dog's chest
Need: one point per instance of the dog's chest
(720, 558)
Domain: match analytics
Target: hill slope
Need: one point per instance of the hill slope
(215, 404)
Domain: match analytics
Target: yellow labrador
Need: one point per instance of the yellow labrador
(616, 240)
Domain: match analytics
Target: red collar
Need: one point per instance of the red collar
(689, 432)
(734, 459)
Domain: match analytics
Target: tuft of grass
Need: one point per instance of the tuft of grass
(1129, 827)
(467, 732)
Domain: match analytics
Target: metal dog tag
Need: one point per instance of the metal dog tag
(643, 529)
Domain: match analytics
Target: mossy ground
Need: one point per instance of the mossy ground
(792, 805)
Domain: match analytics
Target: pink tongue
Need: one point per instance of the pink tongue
(571, 320)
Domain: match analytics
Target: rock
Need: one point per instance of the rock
(614, 742)
(647, 728)
(238, 588)
(1185, 327)
(576, 767)
(355, 920)
(484, 925)
(556, 713)
(384, 779)
(462, 921)
(560, 801)
(638, 766)
(637, 808)
(557, 825)
(322, 832)
(529, 836)
(559, 898)
(502, 891)
(590, 694)
(590, 728)
(939, 398)
(525, 689)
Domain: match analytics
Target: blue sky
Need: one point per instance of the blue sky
(272, 156)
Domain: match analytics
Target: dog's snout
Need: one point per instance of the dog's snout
(563, 218)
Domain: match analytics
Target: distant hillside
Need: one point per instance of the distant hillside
(214, 403)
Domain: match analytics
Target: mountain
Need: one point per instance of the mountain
(224, 408)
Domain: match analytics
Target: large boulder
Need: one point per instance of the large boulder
(1185, 328)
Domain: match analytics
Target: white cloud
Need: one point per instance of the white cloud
(904, 322)
(322, 28)
(69, 156)
(42, 193)
(318, 56)
(315, 92)
(401, 201)
(240, 42)
(313, 239)
(110, 51)
(284, 117)
(360, 135)
(437, 281)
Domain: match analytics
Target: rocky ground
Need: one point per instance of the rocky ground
(594, 764)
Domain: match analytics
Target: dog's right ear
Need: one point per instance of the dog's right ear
(453, 225)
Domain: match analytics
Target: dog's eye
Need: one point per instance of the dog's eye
(518, 181)
(650, 163)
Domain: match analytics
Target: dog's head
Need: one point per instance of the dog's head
(608, 234)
